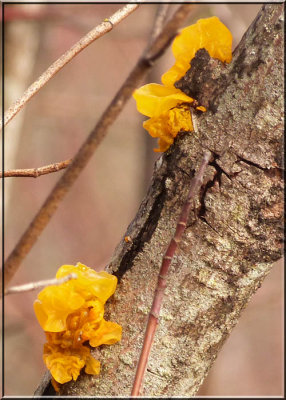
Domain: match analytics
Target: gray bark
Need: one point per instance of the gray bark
(234, 232)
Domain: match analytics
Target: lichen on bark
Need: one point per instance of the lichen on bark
(234, 232)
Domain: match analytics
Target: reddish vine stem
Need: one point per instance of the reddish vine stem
(152, 323)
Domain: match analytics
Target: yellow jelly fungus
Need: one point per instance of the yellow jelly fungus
(55, 303)
(168, 124)
(160, 102)
(106, 333)
(209, 34)
(71, 314)
(89, 283)
(127, 239)
(153, 99)
(201, 108)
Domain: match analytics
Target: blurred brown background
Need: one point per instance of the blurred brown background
(95, 214)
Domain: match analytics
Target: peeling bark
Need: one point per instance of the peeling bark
(234, 232)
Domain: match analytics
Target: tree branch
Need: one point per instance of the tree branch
(84, 154)
(233, 235)
(35, 172)
(159, 22)
(28, 287)
(100, 30)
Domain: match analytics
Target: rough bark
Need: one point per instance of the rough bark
(234, 232)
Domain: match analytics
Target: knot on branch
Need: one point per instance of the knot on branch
(203, 79)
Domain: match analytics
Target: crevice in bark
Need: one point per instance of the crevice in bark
(153, 373)
(275, 172)
(248, 162)
(145, 233)
(209, 185)
(184, 172)
(203, 218)
(203, 193)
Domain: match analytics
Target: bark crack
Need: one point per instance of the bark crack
(203, 218)
(210, 184)
(154, 373)
(249, 162)
(145, 234)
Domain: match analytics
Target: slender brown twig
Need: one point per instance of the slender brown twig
(152, 323)
(28, 287)
(160, 17)
(154, 51)
(106, 26)
(35, 172)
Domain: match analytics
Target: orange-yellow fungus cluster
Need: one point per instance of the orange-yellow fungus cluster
(71, 314)
(170, 122)
(166, 105)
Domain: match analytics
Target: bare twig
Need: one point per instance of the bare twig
(154, 51)
(160, 18)
(196, 183)
(35, 172)
(106, 26)
(28, 287)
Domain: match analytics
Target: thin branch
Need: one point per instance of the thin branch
(154, 51)
(196, 183)
(28, 287)
(35, 172)
(160, 18)
(100, 30)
